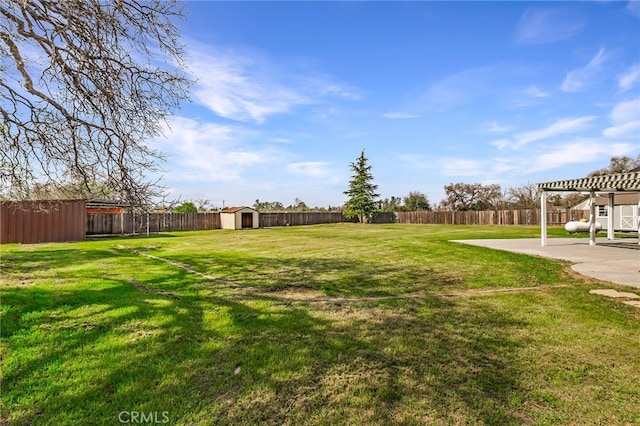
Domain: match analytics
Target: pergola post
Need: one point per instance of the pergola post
(592, 218)
(543, 218)
(610, 233)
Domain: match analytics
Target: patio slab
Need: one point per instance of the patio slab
(616, 261)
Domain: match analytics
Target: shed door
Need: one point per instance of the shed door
(247, 220)
(626, 217)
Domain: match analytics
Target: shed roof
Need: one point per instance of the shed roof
(236, 209)
(625, 199)
(618, 182)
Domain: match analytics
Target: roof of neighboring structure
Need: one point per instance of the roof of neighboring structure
(236, 209)
(618, 182)
(107, 203)
(625, 199)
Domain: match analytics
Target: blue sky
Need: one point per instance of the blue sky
(289, 93)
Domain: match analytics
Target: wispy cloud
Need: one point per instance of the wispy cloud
(625, 120)
(561, 127)
(502, 143)
(585, 150)
(211, 152)
(528, 97)
(250, 87)
(629, 77)
(535, 92)
(495, 128)
(577, 79)
(400, 115)
(462, 167)
(634, 7)
(460, 88)
(542, 26)
(313, 169)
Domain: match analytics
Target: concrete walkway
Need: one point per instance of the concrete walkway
(616, 261)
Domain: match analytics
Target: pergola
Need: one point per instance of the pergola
(606, 184)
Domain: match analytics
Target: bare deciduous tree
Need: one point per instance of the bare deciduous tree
(466, 196)
(618, 165)
(523, 197)
(84, 85)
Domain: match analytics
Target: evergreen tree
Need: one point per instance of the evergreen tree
(362, 194)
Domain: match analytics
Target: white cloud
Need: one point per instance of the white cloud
(502, 143)
(625, 117)
(461, 167)
(210, 152)
(547, 26)
(235, 88)
(560, 127)
(535, 92)
(313, 169)
(627, 79)
(623, 130)
(625, 111)
(324, 86)
(634, 7)
(497, 129)
(460, 88)
(579, 78)
(250, 87)
(579, 151)
(400, 115)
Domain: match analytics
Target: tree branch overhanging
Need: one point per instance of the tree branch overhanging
(85, 85)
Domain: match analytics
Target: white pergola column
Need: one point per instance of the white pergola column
(610, 233)
(543, 218)
(592, 218)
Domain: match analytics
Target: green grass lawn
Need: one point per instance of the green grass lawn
(330, 324)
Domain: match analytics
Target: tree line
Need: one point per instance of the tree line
(363, 200)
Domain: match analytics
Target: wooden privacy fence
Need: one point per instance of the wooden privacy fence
(140, 223)
(128, 223)
(55, 221)
(42, 221)
(493, 217)
(298, 218)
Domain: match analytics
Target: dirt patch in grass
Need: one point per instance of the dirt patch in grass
(310, 295)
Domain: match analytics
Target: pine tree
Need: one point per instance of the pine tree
(362, 192)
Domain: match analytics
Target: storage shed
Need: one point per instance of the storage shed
(239, 218)
(626, 210)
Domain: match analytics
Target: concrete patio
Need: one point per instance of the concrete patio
(616, 261)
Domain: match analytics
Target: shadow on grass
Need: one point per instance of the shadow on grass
(79, 354)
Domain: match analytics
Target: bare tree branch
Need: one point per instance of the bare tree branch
(85, 85)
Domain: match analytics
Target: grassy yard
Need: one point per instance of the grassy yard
(331, 324)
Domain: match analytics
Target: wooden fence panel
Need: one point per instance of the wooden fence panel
(489, 217)
(140, 223)
(42, 221)
(127, 223)
(270, 219)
